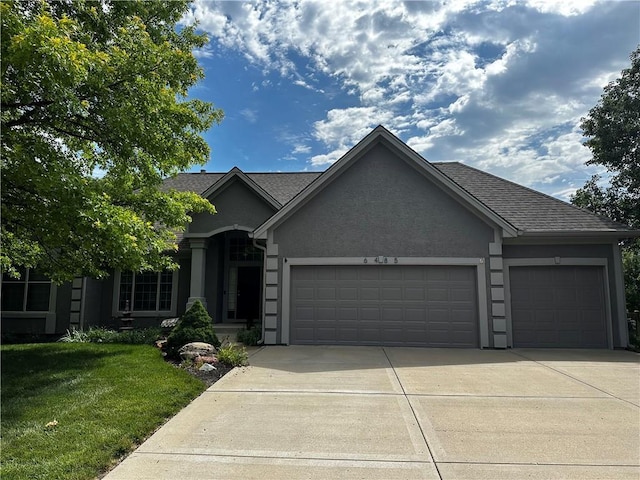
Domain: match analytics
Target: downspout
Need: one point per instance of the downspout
(264, 284)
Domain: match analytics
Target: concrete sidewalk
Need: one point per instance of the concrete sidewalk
(406, 413)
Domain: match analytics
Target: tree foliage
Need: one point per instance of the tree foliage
(613, 131)
(94, 115)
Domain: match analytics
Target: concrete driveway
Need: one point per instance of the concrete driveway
(406, 413)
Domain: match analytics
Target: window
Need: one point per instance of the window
(146, 291)
(242, 250)
(30, 292)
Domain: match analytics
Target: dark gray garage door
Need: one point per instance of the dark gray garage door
(384, 305)
(558, 306)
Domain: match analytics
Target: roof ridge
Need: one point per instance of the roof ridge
(537, 192)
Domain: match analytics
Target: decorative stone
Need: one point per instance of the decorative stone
(208, 359)
(207, 367)
(169, 323)
(196, 349)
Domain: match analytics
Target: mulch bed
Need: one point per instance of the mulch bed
(209, 378)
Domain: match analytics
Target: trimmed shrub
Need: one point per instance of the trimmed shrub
(194, 326)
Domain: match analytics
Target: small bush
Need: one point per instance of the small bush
(249, 337)
(194, 326)
(233, 355)
(145, 336)
(101, 335)
(74, 336)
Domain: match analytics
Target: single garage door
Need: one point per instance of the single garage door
(558, 306)
(384, 305)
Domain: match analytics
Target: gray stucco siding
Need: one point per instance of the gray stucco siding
(213, 282)
(184, 284)
(557, 250)
(63, 307)
(383, 206)
(235, 204)
(97, 310)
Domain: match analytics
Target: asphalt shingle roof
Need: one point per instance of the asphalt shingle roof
(281, 186)
(524, 208)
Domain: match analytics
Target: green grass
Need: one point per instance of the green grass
(106, 399)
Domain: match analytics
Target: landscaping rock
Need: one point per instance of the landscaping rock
(207, 367)
(196, 349)
(169, 322)
(208, 359)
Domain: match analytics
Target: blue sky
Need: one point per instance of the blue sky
(499, 85)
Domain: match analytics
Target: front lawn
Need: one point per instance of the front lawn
(70, 411)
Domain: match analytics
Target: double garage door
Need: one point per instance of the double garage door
(558, 307)
(433, 306)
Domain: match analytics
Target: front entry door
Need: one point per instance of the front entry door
(248, 294)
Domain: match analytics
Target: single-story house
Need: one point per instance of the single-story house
(382, 248)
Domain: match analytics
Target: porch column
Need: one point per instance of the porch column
(198, 264)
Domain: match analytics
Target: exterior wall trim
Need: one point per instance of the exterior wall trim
(479, 263)
(226, 228)
(621, 302)
(556, 261)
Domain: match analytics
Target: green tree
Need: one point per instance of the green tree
(613, 131)
(94, 115)
(195, 325)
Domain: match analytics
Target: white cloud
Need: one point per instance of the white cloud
(500, 85)
(249, 115)
(298, 149)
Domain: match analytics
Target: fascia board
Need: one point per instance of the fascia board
(619, 234)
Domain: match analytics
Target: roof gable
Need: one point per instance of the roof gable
(381, 134)
(236, 173)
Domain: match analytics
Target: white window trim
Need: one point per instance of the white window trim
(115, 308)
(556, 261)
(479, 263)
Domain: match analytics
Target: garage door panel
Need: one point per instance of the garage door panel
(348, 293)
(391, 293)
(414, 294)
(346, 274)
(370, 293)
(385, 305)
(558, 306)
(390, 274)
(324, 314)
(416, 315)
